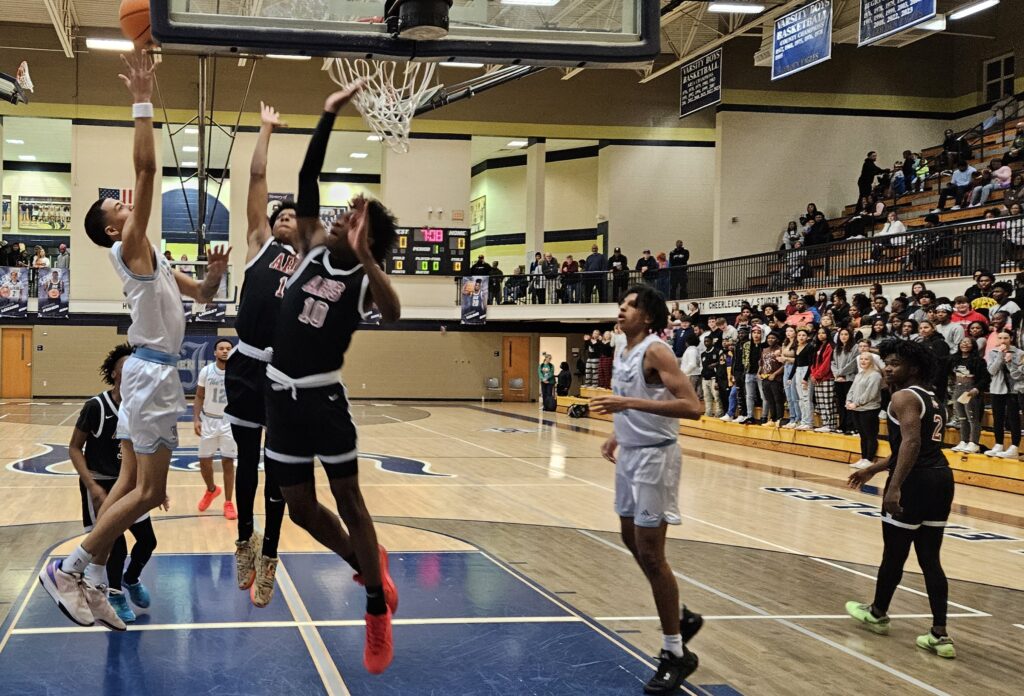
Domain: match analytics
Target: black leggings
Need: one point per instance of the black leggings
(142, 551)
(247, 479)
(775, 398)
(927, 543)
(847, 421)
(1006, 416)
(867, 426)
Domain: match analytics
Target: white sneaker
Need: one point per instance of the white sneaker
(804, 427)
(955, 207)
(741, 419)
(994, 452)
(99, 605)
(861, 464)
(1009, 453)
(823, 429)
(882, 415)
(971, 448)
(961, 447)
(936, 210)
(66, 590)
(726, 418)
(791, 425)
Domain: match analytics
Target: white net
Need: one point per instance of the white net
(390, 96)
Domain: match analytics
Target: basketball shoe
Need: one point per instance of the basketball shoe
(940, 645)
(379, 648)
(99, 605)
(262, 590)
(390, 591)
(862, 612)
(245, 560)
(66, 590)
(671, 672)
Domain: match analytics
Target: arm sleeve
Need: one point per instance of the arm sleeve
(308, 203)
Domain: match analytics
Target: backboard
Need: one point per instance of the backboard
(570, 33)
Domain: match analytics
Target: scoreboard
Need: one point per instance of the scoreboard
(429, 251)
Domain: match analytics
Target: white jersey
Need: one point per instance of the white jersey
(158, 320)
(211, 378)
(638, 428)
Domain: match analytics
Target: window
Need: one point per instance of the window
(998, 75)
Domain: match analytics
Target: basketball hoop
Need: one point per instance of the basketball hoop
(390, 94)
(23, 78)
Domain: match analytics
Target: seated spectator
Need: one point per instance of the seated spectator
(999, 180)
(924, 247)
(791, 236)
(954, 150)
(878, 308)
(870, 211)
(963, 314)
(808, 217)
(1015, 194)
(889, 235)
(819, 232)
(921, 171)
(1016, 151)
(960, 182)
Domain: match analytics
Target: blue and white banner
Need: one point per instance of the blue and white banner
(700, 83)
(882, 18)
(13, 292)
(54, 292)
(802, 38)
(196, 353)
(474, 299)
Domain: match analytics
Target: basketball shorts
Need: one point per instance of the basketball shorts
(151, 402)
(89, 510)
(216, 437)
(244, 383)
(926, 497)
(647, 484)
(305, 424)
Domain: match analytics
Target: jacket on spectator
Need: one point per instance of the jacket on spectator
(964, 320)
(691, 361)
(844, 363)
(971, 370)
(821, 365)
(595, 262)
(866, 391)
(1007, 378)
(952, 333)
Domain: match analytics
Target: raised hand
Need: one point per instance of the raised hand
(270, 117)
(338, 99)
(217, 260)
(138, 75)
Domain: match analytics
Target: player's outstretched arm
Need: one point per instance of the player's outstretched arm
(661, 359)
(205, 291)
(136, 249)
(256, 206)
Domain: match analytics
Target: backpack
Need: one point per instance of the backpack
(579, 411)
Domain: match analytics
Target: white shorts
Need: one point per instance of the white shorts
(216, 436)
(151, 401)
(647, 484)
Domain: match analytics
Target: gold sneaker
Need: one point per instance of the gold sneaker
(245, 560)
(262, 590)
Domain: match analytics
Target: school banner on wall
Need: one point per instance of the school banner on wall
(882, 18)
(700, 83)
(802, 38)
(13, 292)
(54, 292)
(196, 353)
(474, 299)
(5, 212)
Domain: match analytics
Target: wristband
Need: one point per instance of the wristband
(142, 110)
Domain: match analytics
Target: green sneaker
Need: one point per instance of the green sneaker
(862, 612)
(943, 647)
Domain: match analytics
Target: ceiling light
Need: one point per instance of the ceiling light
(736, 7)
(283, 56)
(460, 64)
(188, 164)
(189, 148)
(27, 158)
(110, 44)
(517, 143)
(973, 8)
(374, 138)
(938, 23)
(15, 141)
(359, 155)
(535, 3)
(343, 170)
(191, 131)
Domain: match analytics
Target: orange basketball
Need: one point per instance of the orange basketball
(54, 294)
(135, 21)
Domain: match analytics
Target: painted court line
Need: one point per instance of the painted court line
(795, 617)
(788, 624)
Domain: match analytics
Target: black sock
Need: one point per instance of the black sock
(352, 561)
(874, 613)
(937, 634)
(375, 600)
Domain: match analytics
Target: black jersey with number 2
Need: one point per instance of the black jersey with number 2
(262, 290)
(933, 426)
(321, 309)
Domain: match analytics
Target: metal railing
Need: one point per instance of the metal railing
(939, 252)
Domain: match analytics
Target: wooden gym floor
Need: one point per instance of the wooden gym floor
(503, 540)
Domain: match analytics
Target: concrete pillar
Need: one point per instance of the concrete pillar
(536, 153)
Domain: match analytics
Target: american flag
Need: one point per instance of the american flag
(123, 195)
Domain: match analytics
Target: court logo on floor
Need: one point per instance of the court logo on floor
(510, 430)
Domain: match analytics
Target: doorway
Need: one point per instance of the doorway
(516, 374)
(16, 364)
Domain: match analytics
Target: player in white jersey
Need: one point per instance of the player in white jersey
(152, 397)
(214, 430)
(649, 396)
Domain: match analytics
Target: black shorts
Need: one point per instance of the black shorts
(88, 513)
(926, 497)
(245, 383)
(311, 423)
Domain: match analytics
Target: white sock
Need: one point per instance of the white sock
(77, 561)
(673, 644)
(96, 574)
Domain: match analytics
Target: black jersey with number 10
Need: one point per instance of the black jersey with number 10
(262, 290)
(933, 426)
(321, 309)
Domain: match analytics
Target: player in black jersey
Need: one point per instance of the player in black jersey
(918, 493)
(96, 455)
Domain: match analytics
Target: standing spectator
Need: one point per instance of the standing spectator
(997, 324)
(494, 283)
(840, 307)
(618, 341)
(693, 312)
(564, 380)
(515, 287)
(980, 294)
(605, 360)
(678, 261)
(709, 369)
(791, 304)
(770, 373)
(868, 171)
(931, 338)
(864, 401)
(480, 268)
(970, 382)
(691, 362)
(550, 270)
(751, 358)
(1001, 176)
(804, 356)
(647, 266)
(591, 346)
(802, 316)
(824, 383)
(1004, 367)
(952, 332)
(619, 266)
(546, 373)
(662, 282)
(570, 280)
(40, 259)
(959, 183)
(1001, 293)
(963, 314)
(595, 276)
(789, 382)
(63, 259)
(724, 382)
(977, 331)
(844, 368)
(537, 278)
(955, 149)
(1013, 238)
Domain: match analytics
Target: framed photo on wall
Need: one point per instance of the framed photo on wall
(44, 213)
(478, 213)
(5, 213)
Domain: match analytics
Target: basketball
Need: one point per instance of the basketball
(134, 16)
(5, 293)
(54, 294)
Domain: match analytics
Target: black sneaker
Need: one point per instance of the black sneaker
(689, 624)
(671, 672)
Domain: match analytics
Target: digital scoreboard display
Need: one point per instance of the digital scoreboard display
(429, 251)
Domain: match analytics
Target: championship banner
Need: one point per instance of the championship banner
(474, 299)
(54, 292)
(882, 18)
(802, 38)
(13, 292)
(700, 83)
